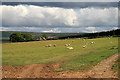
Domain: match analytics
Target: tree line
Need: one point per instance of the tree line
(115, 33)
(19, 37)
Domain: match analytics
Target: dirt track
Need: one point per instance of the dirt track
(101, 70)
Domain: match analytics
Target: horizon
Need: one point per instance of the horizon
(58, 32)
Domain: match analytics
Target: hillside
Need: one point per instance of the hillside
(6, 34)
(38, 34)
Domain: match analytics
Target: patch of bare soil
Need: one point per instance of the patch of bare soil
(102, 70)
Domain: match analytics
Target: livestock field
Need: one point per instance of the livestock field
(74, 55)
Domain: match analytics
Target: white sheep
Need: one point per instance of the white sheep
(49, 45)
(84, 46)
(69, 47)
(66, 45)
(92, 42)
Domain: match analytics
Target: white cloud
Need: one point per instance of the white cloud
(37, 16)
(56, 30)
(30, 15)
(0, 28)
(90, 28)
(115, 27)
(98, 17)
(30, 29)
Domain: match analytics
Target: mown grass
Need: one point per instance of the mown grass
(78, 59)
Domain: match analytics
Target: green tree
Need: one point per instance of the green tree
(28, 37)
(17, 37)
(45, 36)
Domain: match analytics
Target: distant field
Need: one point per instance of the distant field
(78, 59)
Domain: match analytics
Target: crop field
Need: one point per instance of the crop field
(76, 59)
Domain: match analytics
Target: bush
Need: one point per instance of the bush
(18, 37)
(28, 37)
(45, 36)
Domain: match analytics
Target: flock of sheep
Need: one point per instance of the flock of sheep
(68, 45)
(50, 45)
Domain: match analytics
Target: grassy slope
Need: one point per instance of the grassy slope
(76, 60)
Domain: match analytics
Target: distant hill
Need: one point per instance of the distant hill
(104, 33)
(6, 34)
(38, 34)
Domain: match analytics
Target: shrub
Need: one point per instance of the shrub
(18, 37)
(45, 36)
(28, 37)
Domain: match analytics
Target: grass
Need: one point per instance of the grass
(78, 59)
(115, 66)
(86, 61)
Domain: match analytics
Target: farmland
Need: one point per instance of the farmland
(78, 59)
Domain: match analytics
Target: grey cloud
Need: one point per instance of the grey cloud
(67, 4)
(60, 0)
(36, 16)
(58, 30)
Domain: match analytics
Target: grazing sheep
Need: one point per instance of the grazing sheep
(92, 42)
(54, 45)
(49, 45)
(69, 47)
(84, 46)
(66, 45)
(46, 46)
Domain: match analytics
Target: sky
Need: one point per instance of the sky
(60, 17)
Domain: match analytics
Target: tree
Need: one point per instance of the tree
(28, 37)
(17, 37)
(45, 36)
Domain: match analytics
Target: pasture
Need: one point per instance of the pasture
(76, 59)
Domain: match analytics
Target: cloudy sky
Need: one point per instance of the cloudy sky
(59, 16)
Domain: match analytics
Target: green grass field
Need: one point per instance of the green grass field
(78, 59)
